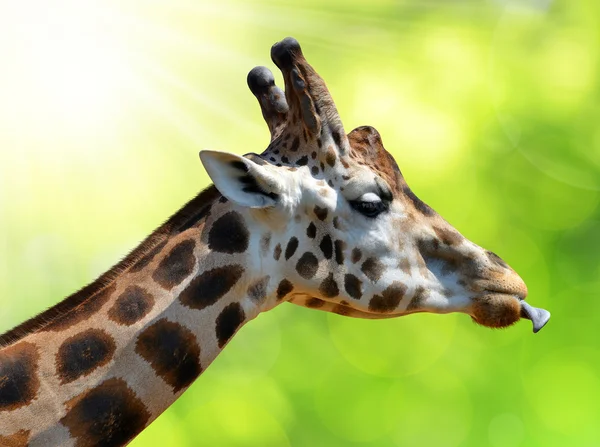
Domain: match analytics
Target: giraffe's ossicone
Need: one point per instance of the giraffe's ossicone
(321, 219)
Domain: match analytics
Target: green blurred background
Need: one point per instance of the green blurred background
(491, 109)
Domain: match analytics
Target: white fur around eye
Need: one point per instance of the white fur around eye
(369, 197)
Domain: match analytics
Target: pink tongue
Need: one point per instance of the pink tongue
(539, 317)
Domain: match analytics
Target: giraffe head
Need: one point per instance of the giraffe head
(352, 236)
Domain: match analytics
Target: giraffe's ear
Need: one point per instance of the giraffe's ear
(242, 180)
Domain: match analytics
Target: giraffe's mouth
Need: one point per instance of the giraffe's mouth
(539, 317)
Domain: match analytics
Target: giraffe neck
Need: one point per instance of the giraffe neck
(114, 362)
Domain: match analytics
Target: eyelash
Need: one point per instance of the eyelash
(369, 209)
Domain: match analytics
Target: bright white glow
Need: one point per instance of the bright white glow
(63, 64)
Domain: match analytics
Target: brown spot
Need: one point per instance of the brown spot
(321, 213)
(313, 155)
(172, 351)
(19, 382)
(356, 255)
(277, 252)
(18, 439)
(373, 268)
(330, 157)
(265, 243)
(295, 145)
(314, 170)
(336, 223)
(326, 246)
(147, 258)
(291, 248)
(83, 353)
(353, 286)
(284, 288)
(314, 303)
(389, 299)
(207, 288)
(107, 415)
(405, 265)
(341, 310)
(228, 322)
(448, 236)
(131, 306)
(311, 231)
(176, 266)
(81, 312)
(339, 251)
(258, 290)
(307, 265)
(229, 234)
(418, 299)
(329, 287)
(344, 163)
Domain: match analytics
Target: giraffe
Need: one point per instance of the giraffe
(321, 219)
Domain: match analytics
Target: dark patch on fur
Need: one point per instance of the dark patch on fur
(291, 247)
(229, 234)
(326, 246)
(284, 288)
(295, 145)
(228, 321)
(314, 303)
(172, 351)
(302, 161)
(109, 415)
(208, 287)
(339, 251)
(417, 300)
(311, 230)
(330, 157)
(321, 213)
(329, 287)
(19, 381)
(448, 236)
(389, 299)
(356, 255)
(373, 268)
(176, 266)
(277, 252)
(353, 286)
(131, 306)
(82, 353)
(307, 265)
(258, 290)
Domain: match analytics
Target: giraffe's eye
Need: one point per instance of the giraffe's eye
(369, 205)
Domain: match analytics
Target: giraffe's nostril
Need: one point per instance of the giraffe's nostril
(496, 259)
